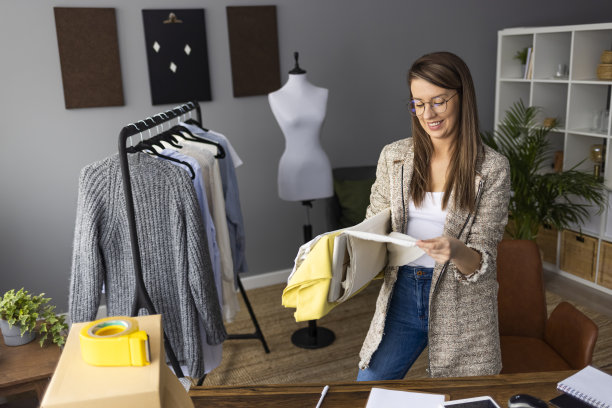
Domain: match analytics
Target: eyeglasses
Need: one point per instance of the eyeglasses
(437, 104)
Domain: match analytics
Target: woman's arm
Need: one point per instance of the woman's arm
(442, 249)
(491, 216)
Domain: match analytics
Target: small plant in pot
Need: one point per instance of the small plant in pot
(521, 56)
(20, 313)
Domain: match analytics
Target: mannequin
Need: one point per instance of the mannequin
(304, 170)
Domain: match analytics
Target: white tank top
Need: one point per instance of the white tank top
(425, 222)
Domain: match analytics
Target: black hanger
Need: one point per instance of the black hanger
(187, 135)
(297, 70)
(194, 122)
(149, 145)
(167, 137)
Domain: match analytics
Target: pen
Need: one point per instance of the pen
(322, 396)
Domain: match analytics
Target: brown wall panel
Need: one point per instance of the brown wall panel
(253, 38)
(89, 56)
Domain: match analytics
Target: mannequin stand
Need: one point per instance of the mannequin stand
(311, 337)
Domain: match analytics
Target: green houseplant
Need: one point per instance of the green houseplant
(540, 197)
(521, 55)
(24, 310)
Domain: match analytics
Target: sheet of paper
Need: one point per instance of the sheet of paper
(383, 398)
(393, 237)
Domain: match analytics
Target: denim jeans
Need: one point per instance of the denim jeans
(406, 326)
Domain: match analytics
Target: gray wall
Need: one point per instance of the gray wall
(359, 49)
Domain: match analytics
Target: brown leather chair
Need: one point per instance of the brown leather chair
(530, 340)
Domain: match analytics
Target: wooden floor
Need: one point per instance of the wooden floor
(591, 298)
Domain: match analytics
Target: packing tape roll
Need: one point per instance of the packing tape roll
(115, 341)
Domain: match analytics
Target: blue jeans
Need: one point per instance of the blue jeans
(406, 327)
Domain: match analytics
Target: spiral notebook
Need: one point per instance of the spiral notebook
(590, 385)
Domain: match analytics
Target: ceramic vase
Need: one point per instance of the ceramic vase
(12, 336)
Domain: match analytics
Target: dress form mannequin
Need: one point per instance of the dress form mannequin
(304, 170)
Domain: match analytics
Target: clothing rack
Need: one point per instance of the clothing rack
(142, 299)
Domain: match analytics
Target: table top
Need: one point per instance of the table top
(355, 394)
(26, 363)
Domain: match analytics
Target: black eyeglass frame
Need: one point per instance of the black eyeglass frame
(431, 105)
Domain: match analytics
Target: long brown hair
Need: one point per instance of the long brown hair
(448, 71)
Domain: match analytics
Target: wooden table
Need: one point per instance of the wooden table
(26, 368)
(355, 395)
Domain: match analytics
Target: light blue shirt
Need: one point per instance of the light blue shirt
(233, 210)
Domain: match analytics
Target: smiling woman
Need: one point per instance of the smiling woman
(447, 189)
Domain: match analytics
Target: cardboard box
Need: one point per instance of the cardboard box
(78, 384)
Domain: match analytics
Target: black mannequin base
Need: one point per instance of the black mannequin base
(313, 337)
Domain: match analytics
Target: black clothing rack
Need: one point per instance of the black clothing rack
(142, 299)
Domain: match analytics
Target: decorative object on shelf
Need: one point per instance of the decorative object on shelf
(558, 161)
(561, 71)
(603, 121)
(523, 56)
(550, 123)
(540, 197)
(24, 310)
(600, 121)
(604, 69)
(597, 155)
(596, 121)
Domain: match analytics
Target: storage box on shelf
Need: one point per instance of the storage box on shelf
(564, 82)
(578, 254)
(547, 241)
(605, 265)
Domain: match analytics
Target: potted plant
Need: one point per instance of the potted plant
(20, 313)
(540, 197)
(522, 55)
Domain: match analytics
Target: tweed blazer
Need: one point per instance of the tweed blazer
(463, 320)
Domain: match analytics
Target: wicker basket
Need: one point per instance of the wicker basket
(604, 71)
(606, 57)
(578, 254)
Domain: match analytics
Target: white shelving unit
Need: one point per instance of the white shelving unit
(574, 99)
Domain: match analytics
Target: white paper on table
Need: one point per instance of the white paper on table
(383, 398)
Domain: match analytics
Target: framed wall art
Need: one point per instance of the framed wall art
(177, 55)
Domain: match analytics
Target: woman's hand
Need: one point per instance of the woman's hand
(443, 249)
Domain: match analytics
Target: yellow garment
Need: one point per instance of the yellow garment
(307, 289)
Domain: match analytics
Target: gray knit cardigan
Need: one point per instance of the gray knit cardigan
(175, 260)
(463, 320)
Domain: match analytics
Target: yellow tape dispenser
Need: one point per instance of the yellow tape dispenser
(115, 341)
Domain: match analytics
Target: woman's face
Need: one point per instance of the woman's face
(438, 125)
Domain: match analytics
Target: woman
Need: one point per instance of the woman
(450, 191)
